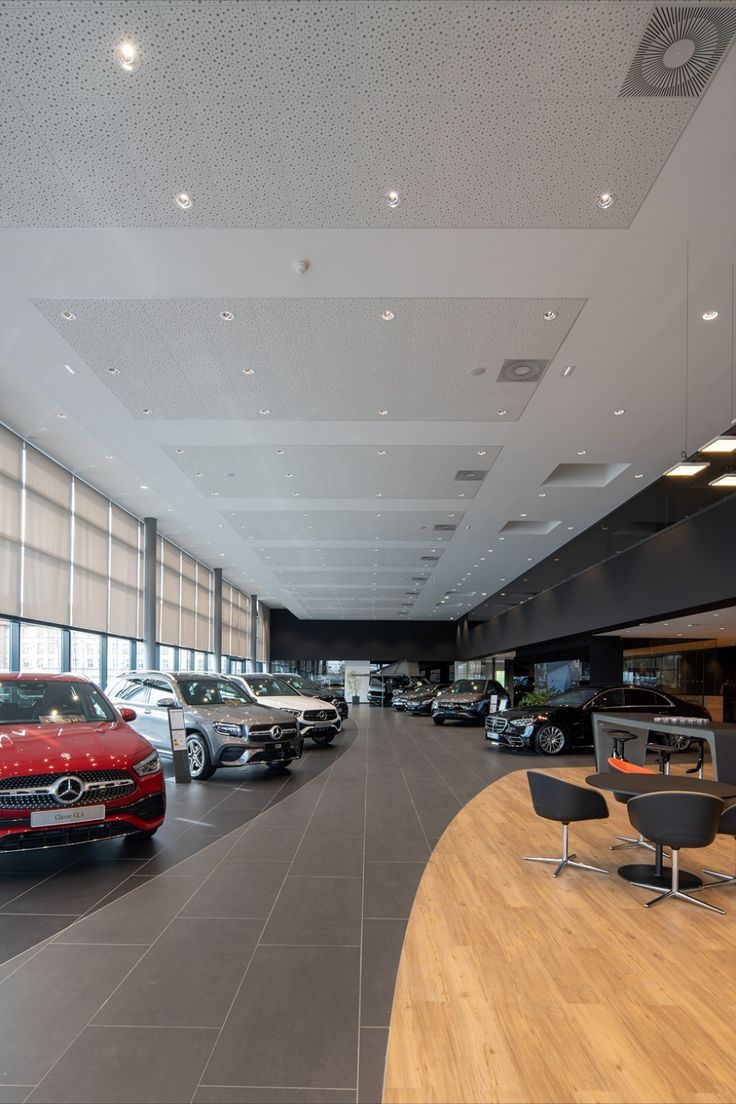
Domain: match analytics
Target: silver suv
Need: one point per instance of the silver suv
(225, 727)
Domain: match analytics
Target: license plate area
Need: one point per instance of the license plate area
(53, 818)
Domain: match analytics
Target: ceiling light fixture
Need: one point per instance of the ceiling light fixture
(549, 315)
(720, 444)
(523, 515)
(480, 371)
(501, 413)
(542, 494)
(144, 486)
(70, 370)
(279, 452)
(379, 494)
(568, 370)
(296, 494)
(249, 371)
(108, 456)
(383, 413)
(180, 452)
(686, 469)
(619, 412)
(393, 198)
(227, 316)
(68, 316)
(128, 55)
(710, 315)
(604, 200)
(582, 452)
(184, 200)
(381, 452)
(61, 415)
(639, 475)
(388, 316)
(113, 371)
(289, 475)
(482, 452)
(727, 481)
(264, 410)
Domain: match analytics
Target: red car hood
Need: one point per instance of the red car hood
(49, 748)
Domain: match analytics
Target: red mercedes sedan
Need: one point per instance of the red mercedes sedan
(72, 770)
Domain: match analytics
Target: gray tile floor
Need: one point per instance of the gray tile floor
(253, 961)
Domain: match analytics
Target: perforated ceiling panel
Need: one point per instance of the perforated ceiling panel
(303, 114)
(342, 525)
(311, 358)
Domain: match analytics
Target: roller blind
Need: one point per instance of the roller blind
(170, 568)
(125, 574)
(11, 448)
(47, 540)
(204, 630)
(227, 618)
(188, 632)
(90, 559)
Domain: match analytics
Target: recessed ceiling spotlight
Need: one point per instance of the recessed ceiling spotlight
(549, 315)
(379, 515)
(184, 200)
(388, 315)
(68, 316)
(108, 456)
(61, 415)
(289, 475)
(461, 494)
(249, 371)
(568, 370)
(619, 412)
(528, 560)
(393, 198)
(279, 452)
(500, 538)
(686, 470)
(710, 315)
(180, 452)
(227, 315)
(482, 452)
(479, 371)
(264, 410)
(383, 413)
(379, 494)
(296, 494)
(70, 370)
(144, 486)
(570, 527)
(639, 475)
(215, 494)
(381, 452)
(582, 452)
(604, 201)
(523, 515)
(128, 55)
(502, 412)
(199, 474)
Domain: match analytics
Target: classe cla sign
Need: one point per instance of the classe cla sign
(469, 700)
(72, 770)
(566, 720)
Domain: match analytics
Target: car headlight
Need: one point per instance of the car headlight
(228, 729)
(521, 722)
(294, 712)
(150, 765)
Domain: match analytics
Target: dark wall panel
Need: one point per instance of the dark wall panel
(692, 565)
(378, 640)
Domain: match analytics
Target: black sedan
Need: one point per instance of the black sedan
(565, 720)
(419, 702)
(470, 700)
(309, 689)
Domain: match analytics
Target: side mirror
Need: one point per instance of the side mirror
(128, 714)
(165, 703)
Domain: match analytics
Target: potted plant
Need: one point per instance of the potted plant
(352, 688)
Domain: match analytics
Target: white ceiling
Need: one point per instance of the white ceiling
(499, 123)
(718, 625)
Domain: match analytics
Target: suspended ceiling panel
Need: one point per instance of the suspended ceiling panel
(312, 356)
(344, 558)
(302, 114)
(327, 471)
(345, 525)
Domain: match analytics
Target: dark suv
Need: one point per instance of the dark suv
(381, 688)
(470, 700)
(301, 685)
(566, 720)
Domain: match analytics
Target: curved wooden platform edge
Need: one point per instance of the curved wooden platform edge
(516, 986)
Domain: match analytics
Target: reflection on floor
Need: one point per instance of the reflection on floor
(261, 965)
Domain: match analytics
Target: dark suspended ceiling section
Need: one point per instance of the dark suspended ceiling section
(293, 639)
(688, 566)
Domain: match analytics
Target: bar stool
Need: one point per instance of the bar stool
(628, 841)
(555, 799)
(677, 818)
(620, 738)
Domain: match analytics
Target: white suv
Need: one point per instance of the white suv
(315, 718)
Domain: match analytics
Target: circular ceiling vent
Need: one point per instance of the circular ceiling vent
(522, 371)
(679, 51)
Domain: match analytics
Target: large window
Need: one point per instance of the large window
(85, 655)
(40, 648)
(4, 645)
(118, 655)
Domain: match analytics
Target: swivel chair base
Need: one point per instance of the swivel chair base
(721, 879)
(629, 841)
(566, 859)
(675, 891)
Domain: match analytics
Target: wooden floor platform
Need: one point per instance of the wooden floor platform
(516, 986)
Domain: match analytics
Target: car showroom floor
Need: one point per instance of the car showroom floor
(249, 952)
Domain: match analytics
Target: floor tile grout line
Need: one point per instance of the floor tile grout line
(362, 926)
(411, 795)
(150, 946)
(265, 924)
(291, 1088)
(434, 767)
(42, 881)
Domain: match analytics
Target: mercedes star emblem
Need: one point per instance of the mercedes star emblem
(68, 790)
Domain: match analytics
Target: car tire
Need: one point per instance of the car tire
(439, 720)
(551, 740)
(281, 765)
(200, 763)
(324, 738)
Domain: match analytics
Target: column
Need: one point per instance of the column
(254, 631)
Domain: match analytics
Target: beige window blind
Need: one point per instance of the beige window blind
(47, 540)
(90, 559)
(126, 574)
(11, 448)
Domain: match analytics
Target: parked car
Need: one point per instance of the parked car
(419, 702)
(565, 720)
(470, 700)
(305, 687)
(381, 688)
(225, 728)
(314, 717)
(72, 770)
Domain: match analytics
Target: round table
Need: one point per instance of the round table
(631, 785)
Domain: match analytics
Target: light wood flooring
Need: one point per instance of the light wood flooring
(515, 986)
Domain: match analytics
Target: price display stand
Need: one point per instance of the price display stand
(178, 732)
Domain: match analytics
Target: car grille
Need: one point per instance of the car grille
(497, 724)
(262, 733)
(34, 790)
(320, 715)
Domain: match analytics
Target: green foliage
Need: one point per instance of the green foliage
(536, 697)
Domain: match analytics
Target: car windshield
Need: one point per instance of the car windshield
(51, 701)
(579, 696)
(468, 686)
(303, 686)
(266, 686)
(211, 691)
